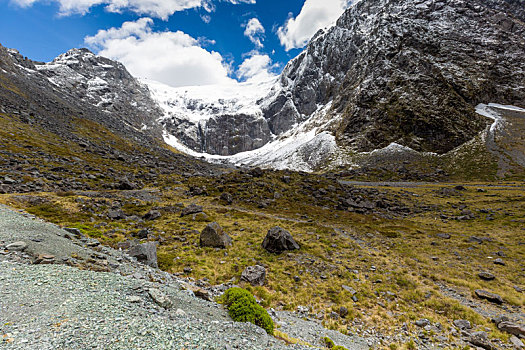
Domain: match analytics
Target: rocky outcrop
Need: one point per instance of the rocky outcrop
(278, 240)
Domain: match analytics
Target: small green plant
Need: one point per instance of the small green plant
(329, 343)
(411, 345)
(242, 307)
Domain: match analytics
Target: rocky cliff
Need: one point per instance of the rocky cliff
(408, 72)
(404, 72)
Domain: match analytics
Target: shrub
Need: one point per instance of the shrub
(329, 343)
(242, 307)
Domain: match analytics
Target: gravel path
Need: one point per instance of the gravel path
(62, 307)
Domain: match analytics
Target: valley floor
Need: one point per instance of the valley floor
(396, 263)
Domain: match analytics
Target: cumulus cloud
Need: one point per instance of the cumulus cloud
(314, 15)
(257, 67)
(173, 58)
(154, 8)
(255, 32)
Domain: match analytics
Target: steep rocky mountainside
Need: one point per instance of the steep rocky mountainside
(408, 72)
(57, 133)
(402, 72)
(71, 86)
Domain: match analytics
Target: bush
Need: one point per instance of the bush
(242, 307)
(329, 343)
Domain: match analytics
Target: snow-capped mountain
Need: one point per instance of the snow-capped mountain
(389, 75)
(405, 73)
(105, 84)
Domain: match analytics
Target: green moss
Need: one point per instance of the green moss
(243, 307)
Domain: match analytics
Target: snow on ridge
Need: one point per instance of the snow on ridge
(200, 103)
(302, 148)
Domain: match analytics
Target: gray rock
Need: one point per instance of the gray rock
(486, 276)
(191, 209)
(255, 275)
(160, 298)
(17, 246)
(214, 236)
(145, 253)
(422, 322)
(512, 328)
(517, 343)
(481, 339)
(116, 214)
(500, 318)
(492, 297)
(152, 215)
(350, 290)
(278, 240)
(462, 324)
(74, 231)
(226, 197)
(499, 261)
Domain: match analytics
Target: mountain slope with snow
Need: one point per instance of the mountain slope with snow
(388, 73)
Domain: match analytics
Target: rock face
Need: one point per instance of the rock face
(145, 253)
(409, 74)
(255, 275)
(214, 236)
(387, 72)
(278, 240)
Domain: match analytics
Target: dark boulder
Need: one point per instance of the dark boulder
(278, 240)
(214, 236)
(152, 215)
(191, 209)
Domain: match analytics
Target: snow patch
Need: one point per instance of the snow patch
(200, 103)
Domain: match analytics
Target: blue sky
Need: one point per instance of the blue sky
(178, 42)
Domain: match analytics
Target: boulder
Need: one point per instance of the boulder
(160, 298)
(481, 339)
(191, 209)
(125, 184)
(512, 328)
(492, 297)
(422, 322)
(44, 259)
(278, 240)
(486, 276)
(214, 236)
(226, 197)
(255, 275)
(17, 246)
(116, 214)
(462, 324)
(152, 215)
(516, 342)
(146, 253)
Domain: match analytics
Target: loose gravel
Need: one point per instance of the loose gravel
(62, 307)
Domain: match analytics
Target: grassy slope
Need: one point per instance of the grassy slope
(337, 247)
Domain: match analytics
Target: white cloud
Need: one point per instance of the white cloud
(255, 32)
(256, 68)
(173, 58)
(315, 15)
(154, 8)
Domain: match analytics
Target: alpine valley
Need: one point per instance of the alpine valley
(370, 196)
